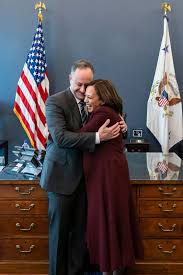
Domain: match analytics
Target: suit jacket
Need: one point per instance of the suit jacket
(63, 164)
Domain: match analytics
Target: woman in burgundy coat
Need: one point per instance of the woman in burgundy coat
(112, 234)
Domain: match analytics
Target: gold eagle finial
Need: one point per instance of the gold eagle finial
(166, 7)
(40, 6)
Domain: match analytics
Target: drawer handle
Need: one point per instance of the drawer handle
(167, 210)
(17, 189)
(167, 230)
(17, 205)
(25, 229)
(167, 193)
(18, 247)
(167, 251)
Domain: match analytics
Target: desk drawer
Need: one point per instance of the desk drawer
(159, 191)
(23, 249)
(25, 226)
(161, 227)
(22, 191)
(23, 207)
(164, 208)
(163, 249)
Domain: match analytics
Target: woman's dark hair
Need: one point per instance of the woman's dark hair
(107, 94)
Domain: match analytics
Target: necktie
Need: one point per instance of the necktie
(83, 112)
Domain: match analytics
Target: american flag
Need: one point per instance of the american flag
(32, 92)
(163, 101)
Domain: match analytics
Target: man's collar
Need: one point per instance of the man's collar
(77, 100)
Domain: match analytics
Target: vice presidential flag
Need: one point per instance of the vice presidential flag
(164, 107)
(32, 92)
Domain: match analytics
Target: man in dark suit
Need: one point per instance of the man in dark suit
(62, 175)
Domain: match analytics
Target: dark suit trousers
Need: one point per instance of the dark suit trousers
(67, 221)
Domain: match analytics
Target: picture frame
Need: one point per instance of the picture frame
(137, 133)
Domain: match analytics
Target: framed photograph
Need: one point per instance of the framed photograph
(137, 133)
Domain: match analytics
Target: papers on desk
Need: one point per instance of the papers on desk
(2, 160)
(31, 170)
(17, 167)
(1, 167)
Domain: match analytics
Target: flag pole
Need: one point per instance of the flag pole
(40, 6)
(166, 7)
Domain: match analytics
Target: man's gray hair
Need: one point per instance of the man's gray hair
(81, 64)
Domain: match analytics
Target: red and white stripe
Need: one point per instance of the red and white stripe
(163, 102)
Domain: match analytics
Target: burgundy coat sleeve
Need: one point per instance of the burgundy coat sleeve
(96, 121)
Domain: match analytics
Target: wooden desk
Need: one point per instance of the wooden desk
(23, 226)
(159, 203)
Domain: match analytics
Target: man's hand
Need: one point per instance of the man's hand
(123, 125)
(106, 133)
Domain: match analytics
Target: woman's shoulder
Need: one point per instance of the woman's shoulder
(104, 109)
(106, 112)
(111, 113)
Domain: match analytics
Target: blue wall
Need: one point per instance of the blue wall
(121, 38)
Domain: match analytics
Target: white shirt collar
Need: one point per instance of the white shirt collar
(77, 100)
